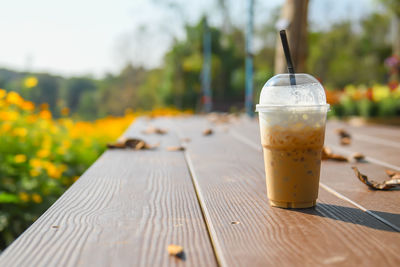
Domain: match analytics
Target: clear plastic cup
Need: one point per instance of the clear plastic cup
(292, 125)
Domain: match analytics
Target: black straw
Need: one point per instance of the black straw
(286, 50)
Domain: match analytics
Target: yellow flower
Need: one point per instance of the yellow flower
(31, 118)
(66, 144)
(380, 92)
(28, 105)
(14, 98)
(6, 127)
(35, 163)
(30, 82)
(36, 198)
(34, 172)
(23, 196)
(20, 158)
(9, 115)
(45, 114)
(3, 93)
(21, 132)
(43, 153)
(53, 171)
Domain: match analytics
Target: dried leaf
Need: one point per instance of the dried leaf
(343, 133)
(185, 140)
(132, 143)
(207, 132)
(345, 141)
(219, 118)
(154, 130)
(176, 148)
(175, 250)
(345, 137)
(391, 173)
(386, 185)
(357, 156)
(116, 145)
(328, 154)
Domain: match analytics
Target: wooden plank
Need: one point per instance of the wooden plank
(373, 133)
(340, 177)
(124, 211)
(246, 231)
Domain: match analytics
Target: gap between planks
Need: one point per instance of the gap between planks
(255, 146)
(204, 212)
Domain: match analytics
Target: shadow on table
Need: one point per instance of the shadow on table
(354, 216)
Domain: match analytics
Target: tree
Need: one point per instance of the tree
(294, 21)
(394, 8)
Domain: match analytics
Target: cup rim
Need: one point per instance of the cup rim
(262, 107)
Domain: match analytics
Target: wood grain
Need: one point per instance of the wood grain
(124, 211)
(246, 231)
(339, 176)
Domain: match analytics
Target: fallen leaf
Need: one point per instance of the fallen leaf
(176, 148)
(393, 174)
(219, 118)
(357, 156)
(154, 130)
(328, 154)
(345, 141)
(345, 137)
(116, 145)
(386, 185)
(207, 132)
(132, 143)
(343, 133)
(185, 140)
(175, 250)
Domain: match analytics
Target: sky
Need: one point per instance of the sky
(95, 37)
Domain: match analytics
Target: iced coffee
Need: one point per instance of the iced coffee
(292, 125)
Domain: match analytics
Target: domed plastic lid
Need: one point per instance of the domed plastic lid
(278, 93)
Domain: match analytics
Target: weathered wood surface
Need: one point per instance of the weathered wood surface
(339, 176)
(229, 178)
(124, 211)
(212, 200)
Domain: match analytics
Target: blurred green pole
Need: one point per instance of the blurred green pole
(249, 59)
(206, 72)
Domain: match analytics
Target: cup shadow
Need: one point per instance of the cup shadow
(354, 216)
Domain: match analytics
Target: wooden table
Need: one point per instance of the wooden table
(211, 199)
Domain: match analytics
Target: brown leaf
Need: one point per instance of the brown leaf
(133, 143)
(116, 145)
(154, 130)
(343, 133)
(219, 118)
(391, 173)
(357, 156)
(328, 154)
(185, 140)
(345, 141)
(175, 250)
(176, 148)
(207, 132)
(345, 137)
(386, 185)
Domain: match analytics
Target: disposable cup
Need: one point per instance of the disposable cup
(292, 128)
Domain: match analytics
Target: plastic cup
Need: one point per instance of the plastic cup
(292, 125)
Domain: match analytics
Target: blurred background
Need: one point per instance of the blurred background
(74, 74)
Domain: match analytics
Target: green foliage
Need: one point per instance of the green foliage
(343, 56)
